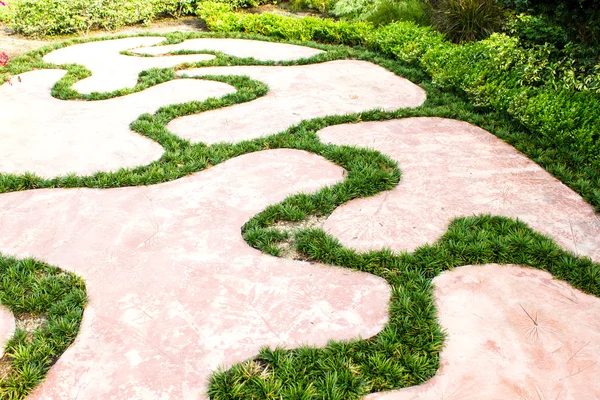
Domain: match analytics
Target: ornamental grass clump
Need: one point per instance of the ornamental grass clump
(467, 20)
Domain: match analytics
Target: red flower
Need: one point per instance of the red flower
(3, 3)
(3, 59)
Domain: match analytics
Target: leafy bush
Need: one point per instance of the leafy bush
(467, 20)
(56, 17)
(236, 4)
(383, 12)
(388, 11)
(544, 96)
(323, 6)
(219, 18)
(353, 9)
(579, 17)
(405, 41)
(7, 11)
(535, 29)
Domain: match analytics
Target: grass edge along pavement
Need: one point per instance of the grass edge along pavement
(48, 304)
(479, 239)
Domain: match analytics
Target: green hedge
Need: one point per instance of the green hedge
(58, 17)
(220, 18)
(405, 41)
(545, 94)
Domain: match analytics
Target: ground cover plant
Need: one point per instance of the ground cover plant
(48, 306)
(406, 352)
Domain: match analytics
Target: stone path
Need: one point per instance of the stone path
(513, 333)
(259, 50)
(175, 292)
(112, 70)
(62, 138)
(296, 94)
(452, 169)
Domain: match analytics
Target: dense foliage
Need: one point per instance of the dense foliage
(55, 17)
(219, 18)
(579, 17)
(382, 12)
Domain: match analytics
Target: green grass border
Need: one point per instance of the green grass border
(398, 356)
(30, 288)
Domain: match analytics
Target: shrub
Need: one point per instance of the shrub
(353, 9)
(467, 20)
(578, 17)
(219, 18)
(383, 12)
(535, 30)
(323, 6)
(7, 11)
(544, 96)
(405, 41)
(57, 17)
(388, 11)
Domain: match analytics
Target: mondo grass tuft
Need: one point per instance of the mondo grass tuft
(48, 306)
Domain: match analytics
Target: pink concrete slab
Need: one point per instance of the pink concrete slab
(257, 49)
(513, 333)
(111, 70)
(52, 137)
(7, 327)
(297, 93)
(174, 291)
(453, 169)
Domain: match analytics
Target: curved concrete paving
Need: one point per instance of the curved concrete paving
(453, 169)
(242, 48)
(297, 93)
(52, 137)
(111, 70)
(174, 291)
(7, 327)
(513, 333)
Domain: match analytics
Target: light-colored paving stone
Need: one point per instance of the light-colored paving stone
(453, 169)
(7, 327)
(112, 70)
(51, 137)
(513, 333)
(174, 291)
(298, 93)
(257, 49)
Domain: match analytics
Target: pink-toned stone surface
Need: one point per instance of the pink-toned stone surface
(7, 327)
(52, 137)
(452, 169)
(174, 291)
(257, 49)
(297, 93)
(111, 70)
(513, 333)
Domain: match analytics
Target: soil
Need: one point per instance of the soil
(287, 247)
